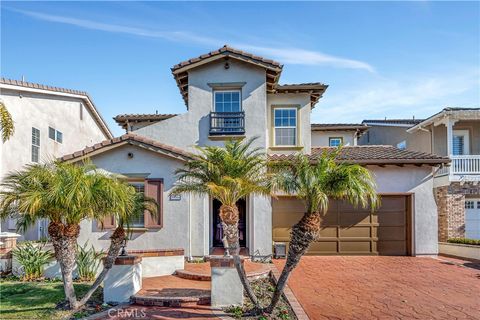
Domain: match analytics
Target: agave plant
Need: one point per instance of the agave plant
(88, 262)
(32, 258)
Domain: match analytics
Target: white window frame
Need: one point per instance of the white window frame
(466, 140)
(135, 184)
(36, 146)
(223, 91)
(282, 127)
(335, 138)
(55, 134)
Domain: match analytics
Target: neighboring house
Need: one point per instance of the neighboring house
(49, 122)
(393, 132)
(231, 94)
(455, 132)
(336, 134)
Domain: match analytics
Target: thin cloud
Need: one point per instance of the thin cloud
(422, 95)
(285, 55)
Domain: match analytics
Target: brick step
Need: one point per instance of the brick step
(202, 275)
(200, 298)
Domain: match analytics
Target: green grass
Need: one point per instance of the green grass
(34, 300)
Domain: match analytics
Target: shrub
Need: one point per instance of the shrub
(464, 241)
(32, 258)
(88, 261)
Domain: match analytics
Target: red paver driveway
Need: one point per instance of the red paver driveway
(385, 288)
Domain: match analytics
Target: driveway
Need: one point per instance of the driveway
(349, 287)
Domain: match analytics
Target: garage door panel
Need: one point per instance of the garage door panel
(353, 218)
(392, 218)
(349, 230)
(394, 248)
(356, 232)
(392, 233)
(328, 232)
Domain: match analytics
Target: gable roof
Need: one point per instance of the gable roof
(456, 113)
(392, 122)
(45, 89)
(315, 89)
(373, 155)
(124, 119)
(128, 139)
(339, 127)
(180, 70)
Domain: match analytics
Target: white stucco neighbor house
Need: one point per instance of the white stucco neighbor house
(234, 94)
(49, 123)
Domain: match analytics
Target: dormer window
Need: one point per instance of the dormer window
(227, 101)
(285, 126)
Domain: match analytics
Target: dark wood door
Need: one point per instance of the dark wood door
(217, 226)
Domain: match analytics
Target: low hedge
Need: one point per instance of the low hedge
(464, 241)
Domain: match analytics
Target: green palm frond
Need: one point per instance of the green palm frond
(326, 178)
(227, 174)
(6, 123)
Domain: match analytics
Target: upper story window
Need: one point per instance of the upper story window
(227, 101)
(335, 141)
(461, 143)
(35, 144)
(285, 126)
(55, 135)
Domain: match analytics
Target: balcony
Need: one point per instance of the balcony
(462, 168)
(227, 123)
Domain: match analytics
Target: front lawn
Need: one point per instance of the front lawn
(37, 300)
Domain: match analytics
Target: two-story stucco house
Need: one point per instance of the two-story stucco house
(233, 94)
(455, 132)
(49, 123)
(336, 134)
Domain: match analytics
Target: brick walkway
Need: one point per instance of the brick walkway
(385, 288)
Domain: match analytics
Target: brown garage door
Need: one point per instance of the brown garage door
(347, 230)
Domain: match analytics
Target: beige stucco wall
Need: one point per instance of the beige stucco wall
(176, 221)
(391, 135)
(42, 111)
(419, 181)
(321, 138)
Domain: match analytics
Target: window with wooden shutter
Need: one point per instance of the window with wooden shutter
(154, 189)
(107, 222)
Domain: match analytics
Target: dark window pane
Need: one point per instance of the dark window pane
(292, 112)
(59, 137)
(218, 97)
(51, 133)
(235, 96)
(227, 96)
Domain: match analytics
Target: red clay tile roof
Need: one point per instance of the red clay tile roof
(380, 155)
(315, 89)
(338, 127)
(132, 139)
(180, 70)
(122, 119)
(97, 116)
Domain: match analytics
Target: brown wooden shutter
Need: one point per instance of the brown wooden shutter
(154, 189)
(108, 223)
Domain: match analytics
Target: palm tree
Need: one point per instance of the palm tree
(6, 123)
(227, 174)
(65, 194)
(315, 183)
(140, 204)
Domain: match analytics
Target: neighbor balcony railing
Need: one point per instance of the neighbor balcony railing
(462, 165)
(228, 123)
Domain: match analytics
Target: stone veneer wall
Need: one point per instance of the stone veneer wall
(451, 209)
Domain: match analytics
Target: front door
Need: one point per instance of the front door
(217, 226)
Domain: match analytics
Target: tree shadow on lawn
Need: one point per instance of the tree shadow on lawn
(33, 300)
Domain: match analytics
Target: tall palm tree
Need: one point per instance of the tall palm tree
(315, 183)
(65, 194)
(139, 204)
(6, 123)
(227, 174)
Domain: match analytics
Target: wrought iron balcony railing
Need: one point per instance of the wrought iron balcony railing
(227, 123)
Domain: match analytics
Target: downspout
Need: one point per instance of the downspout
(190, 258)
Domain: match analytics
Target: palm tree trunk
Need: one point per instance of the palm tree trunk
(116, 241)
(302, 235)
(64, 240)
(230, 216)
